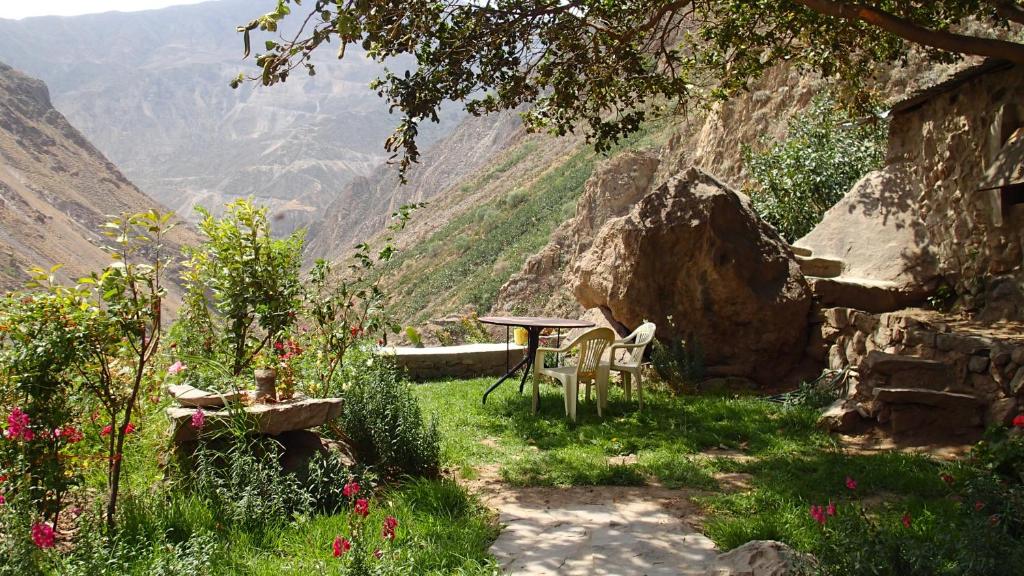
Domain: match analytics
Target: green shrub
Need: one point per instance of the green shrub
(679, 363)
(825, 152)
(383, 423)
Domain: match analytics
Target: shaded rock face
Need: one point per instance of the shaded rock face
(693, 257)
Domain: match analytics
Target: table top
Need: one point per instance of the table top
(535, 322)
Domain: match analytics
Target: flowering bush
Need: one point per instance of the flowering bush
(361, 549)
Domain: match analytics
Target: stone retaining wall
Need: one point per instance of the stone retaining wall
(929, 352)
(465, 361)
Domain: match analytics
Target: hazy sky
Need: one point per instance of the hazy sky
(25, 8)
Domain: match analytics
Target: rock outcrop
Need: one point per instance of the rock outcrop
(693, 257)
(610, 193)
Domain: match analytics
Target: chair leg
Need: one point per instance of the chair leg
(640, 389)
(571, 389)
(627, 385)
(536, 393)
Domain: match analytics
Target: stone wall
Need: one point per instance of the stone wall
(944, 360)
(465, 361)
(949, 141)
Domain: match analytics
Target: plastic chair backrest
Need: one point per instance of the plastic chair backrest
(642, 335)
(592, 345)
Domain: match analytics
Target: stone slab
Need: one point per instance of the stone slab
(936, 398)
(193, 397)
(272, 419)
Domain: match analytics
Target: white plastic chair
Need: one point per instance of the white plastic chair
(588, 368)
(629, 365)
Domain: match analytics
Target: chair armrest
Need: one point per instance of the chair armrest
(561, 350)
(617, 346)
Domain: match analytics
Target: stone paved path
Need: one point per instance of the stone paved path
(623, 537)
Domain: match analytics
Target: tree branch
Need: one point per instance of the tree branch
(948, 41)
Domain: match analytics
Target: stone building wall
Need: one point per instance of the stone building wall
(948, 141)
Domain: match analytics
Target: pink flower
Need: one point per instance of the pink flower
(362, 507)
(2, 500)
(176, 368)
(851, 483)
(377, 554)
(388, 533)
(831, 510)
(42, 535)
(18, 424)
(340, 546)
(198, 419)
(350, 489)
(1018, 421)
(905, 520)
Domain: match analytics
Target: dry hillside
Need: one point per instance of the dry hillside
(56, 189)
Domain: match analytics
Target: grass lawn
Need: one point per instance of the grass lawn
(684, 441)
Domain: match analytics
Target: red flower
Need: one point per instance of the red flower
(350, 489)
(388, 533)
(949, 480)
(905, 520)
(106, 430)
(978, 505)
(362, 507)
(818, 513)
(70, 434)
(377, 554)
(851, 483)
(42, 535)
(340, 546)
(2, 500)
(831, 510)
(1018, 421)
(279, 346)
(130, 428)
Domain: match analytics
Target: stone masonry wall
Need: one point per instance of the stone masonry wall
(972, 360)
(949, 142)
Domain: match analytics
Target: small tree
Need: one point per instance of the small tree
(122, 329)
(249, 279)
(825, 152)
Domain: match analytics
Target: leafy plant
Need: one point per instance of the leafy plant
(413, 335)
(248, 278)
(678, 363)
(382, 422)
(343, 310)
(825, 152)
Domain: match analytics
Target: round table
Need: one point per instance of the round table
(533, 325)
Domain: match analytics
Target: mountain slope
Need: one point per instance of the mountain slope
(150, 89)
(56, 188)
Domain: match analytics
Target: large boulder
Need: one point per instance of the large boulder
(693, 257)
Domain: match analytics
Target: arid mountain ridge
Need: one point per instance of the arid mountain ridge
(56, 189)
(150, 90)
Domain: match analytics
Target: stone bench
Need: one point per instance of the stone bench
(463, 361)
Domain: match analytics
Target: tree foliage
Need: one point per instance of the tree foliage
(824, 153)
(606, 64)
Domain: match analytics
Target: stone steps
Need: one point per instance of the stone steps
(865, 294)
(820, 267)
